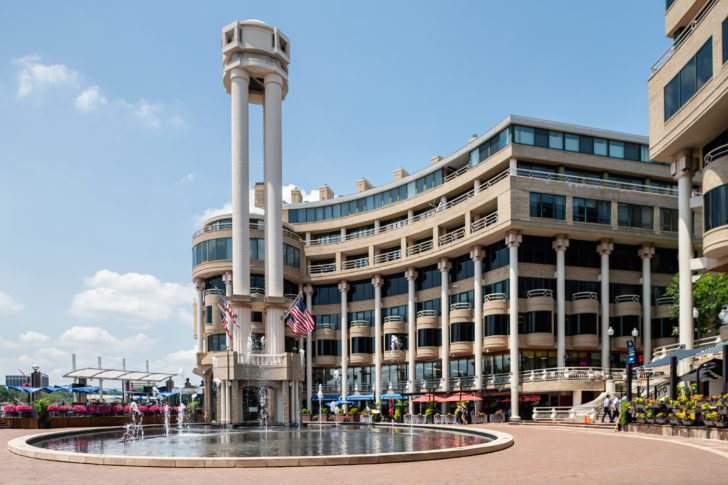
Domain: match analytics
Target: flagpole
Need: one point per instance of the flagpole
(290, 307)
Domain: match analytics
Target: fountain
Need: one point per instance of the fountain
(181, 416)
(134, 430)
(263, 407)
(320, 395)
(166, 419)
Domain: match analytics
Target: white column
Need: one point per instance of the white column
(377, 283)
(239, 82)
(444, 267)
(308, 290)
(200, 287)
(227, 278)
(476, 186)
(513, 240)
(343, 234)
(560, 245)
(604, 249)
(376, 226)
(344, 289)
(646, 252)
(274, 332)
(410, 216)
(685, 252)
(228, 405)
(476, 254)
(223, 402)
(411, 276)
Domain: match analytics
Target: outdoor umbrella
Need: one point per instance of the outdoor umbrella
(428, 398)
(391, 407)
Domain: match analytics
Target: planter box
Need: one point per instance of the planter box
(22, 423)
(94, 421)
(339, 418)
(354, 418)
(305, 418)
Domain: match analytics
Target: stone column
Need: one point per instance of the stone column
(377, 283)
(239, 83)
(227, 278)
(513, 240)
(200, 287)
(411, 276)
(273, 210)
(207, 405)
(646, 252)
(682, 170)
(444, 267)
(344, 289)
(560, 245)
(308, 291)
(604, 249)
(476, 254)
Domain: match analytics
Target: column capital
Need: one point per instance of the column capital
(308, 290)
(561, 242)
(377, 281)
(646, 251)
(344, 286)
(476, 254)
(513, 239)
(238, 72)
(199, 284)
(444, 265)
(410, 274)
(605, 247)
(227, 277)
(272, 77)
(683, 164)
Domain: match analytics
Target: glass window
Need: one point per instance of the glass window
(715, 207)
(591, 210)
(688, 80)
(556, 140)
(548, 206)
(524, 135)
(696, 72)
(668, 219)
(586, 144)
(496, 325)
(601, 147)
(216, 342)
(571, 142)
(541, 137)
(725, 40)
(462, 332)
(704, 60)
(616, 149)
(632, 215)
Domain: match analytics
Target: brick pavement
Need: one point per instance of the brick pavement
(540, 455)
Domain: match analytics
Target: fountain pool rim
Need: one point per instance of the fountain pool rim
(23, 446)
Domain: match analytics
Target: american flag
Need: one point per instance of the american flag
(300, 321)
(229, 311)
(225, 322)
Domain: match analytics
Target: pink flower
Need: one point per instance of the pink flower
(53, 408)
(154, 408)
(9, 408)
(23, 409)
(118, 409)
(143, 409)
(79, 409)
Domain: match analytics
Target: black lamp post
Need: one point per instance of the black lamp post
(635, 333)
(610, 332)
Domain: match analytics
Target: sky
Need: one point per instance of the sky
(115, 136)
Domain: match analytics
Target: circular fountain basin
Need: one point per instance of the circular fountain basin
(210, 447)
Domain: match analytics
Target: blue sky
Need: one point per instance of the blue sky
(114, 135)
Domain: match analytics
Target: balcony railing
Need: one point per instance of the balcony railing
(387, 257)
(543, 292)
(612, 184)
(213, 291)
(665, 300)
(456, 173)
(359, 323)
(355, 263)
(627, 299)
(460, 306)
(325, 326)
(419, 248)
(223, 226)
(680, 39)
(584, 295)
(426, 313)
(452, 236)
(494, 297)
(486, 221)
(321, 268)
(257, 291)
(393, 319)
(264, 360)
(359, 234)
(716, 153)
(324, 240)
(290, 296)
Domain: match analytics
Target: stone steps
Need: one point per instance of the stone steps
(566, 424)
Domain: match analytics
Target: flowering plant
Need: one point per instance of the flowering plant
(153, 409)
(9, 409)
(65, 408)
(79, 409)
(23, 409)
(53, 408)
(118, 409)
(143, 409)
(103, 410)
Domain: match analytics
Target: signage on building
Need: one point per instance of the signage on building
(630, 349)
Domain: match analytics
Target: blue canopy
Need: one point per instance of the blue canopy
(393, 395)
(168, 394)
(339, 402)
(85, 390)
(26, 388)
(361, 397)
(679, 353)
(327, 397)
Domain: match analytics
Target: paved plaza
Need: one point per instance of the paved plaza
(541, 455)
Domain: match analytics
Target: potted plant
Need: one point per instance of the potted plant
(710, 418)
(354, 415)
(660, 418)
(305, 415)
(640, 417)
(398, 415)
(650, 417)
(429, 413)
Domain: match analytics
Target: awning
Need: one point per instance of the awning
(118, 375)
(327, 397)
(361, 397)
(339, 402)
(708, 370)
(392, 395)
(679, 353)
(429, 398)
(459, 396)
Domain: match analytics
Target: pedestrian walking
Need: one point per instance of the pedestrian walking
(607, 403)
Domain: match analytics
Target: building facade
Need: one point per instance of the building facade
(19, 380)
(499, 269)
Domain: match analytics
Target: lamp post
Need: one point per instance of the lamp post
(610, 332)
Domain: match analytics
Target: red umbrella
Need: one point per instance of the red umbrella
(391, 407)
(462, 397)
(428, 398)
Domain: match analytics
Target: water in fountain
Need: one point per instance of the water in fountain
(249, 346)
(370, 417)
(263, 407)
(395, 342)
(181, 417)
(320, 395)
(134, 430)
(302, 354)
(166, 420)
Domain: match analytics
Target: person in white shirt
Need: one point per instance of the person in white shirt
(606, 408)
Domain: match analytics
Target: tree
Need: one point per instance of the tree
(710, 295)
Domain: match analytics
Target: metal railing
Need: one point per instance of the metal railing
(460, 306)
(325, 326)
(393, 319)
(564, 373)
(321, 268)
(613, 184)
(257, 291)
(584, 295)
(426, 313)
(627, 299)
(714, 154)
(494, 297)
(213, 291)
(355, 263)
(359, 234)
(223, 226)
(419, 248)
(542, 292)
(387, 257)
(290, 296)
(486, 221)
(265, 360)
(452, 236)
(456, 173)
(324, 240)
(359, 323)
(680, 39)
(665, 300)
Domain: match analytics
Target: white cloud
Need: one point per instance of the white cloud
(310, 196)
(90, 99)
(78, 337)
(151, 114)
(35, 76)
(33, 337)
(7, 344)
(8, 304)
(200, 219)
(131, 296)
(189, 178)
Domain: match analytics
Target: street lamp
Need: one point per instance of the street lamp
(610, 332)
(635, 333)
